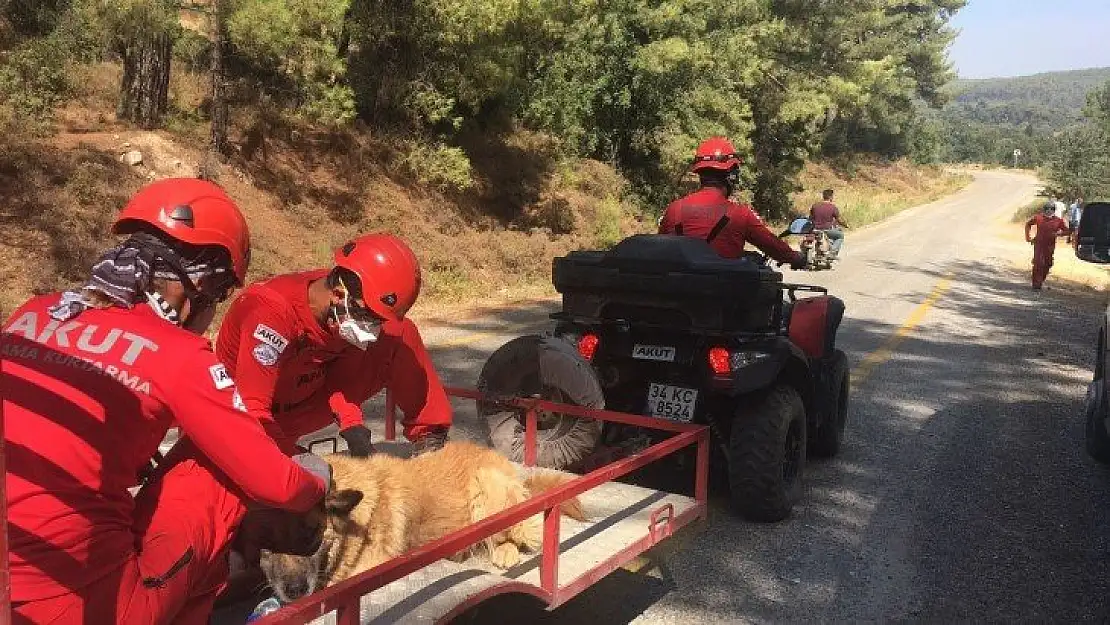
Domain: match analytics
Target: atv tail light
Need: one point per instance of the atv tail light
(587, 345)
(719, 361)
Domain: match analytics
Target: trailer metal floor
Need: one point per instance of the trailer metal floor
(619, 516)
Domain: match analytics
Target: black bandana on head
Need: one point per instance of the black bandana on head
(125, 276)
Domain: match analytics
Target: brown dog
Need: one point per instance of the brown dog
(381, 507)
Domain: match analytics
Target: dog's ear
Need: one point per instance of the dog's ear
(341, 502)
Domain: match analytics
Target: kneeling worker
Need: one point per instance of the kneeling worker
(92, 380)
(307, 349)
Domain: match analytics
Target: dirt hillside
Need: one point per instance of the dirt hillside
(305, 191)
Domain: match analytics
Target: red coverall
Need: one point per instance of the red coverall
(86, 403)
(702, 210)
(1044, 244)
(294, 374)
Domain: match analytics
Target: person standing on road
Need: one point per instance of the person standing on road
(307, 349)
(92, 379)
(1049, 227)
(1075, 214)
(825, 216)
(708, 213)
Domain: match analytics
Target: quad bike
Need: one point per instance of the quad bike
(815, 244)
(664, 327)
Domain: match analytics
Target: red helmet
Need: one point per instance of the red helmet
(388, 270)
(716, 153)
(192, 211)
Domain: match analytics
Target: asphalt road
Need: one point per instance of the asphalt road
(962, 493)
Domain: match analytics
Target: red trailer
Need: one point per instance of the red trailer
(423, 586)
(626, 520)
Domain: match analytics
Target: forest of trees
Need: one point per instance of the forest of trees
(635, 83)
(986, 120)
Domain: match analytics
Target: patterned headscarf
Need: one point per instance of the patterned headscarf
(125, 275)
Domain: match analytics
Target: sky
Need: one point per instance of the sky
(1002, 38)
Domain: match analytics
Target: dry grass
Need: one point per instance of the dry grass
(306, 191)
(54, 217)
(1025, 212)
(871, 191)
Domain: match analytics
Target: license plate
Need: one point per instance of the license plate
(675, 403)
(660, 353)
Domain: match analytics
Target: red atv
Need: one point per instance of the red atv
(662, 326)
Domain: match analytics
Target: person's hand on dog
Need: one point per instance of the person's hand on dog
(433, 440)
(317, 466)
(358, 440)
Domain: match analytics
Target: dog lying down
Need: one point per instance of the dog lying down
(382, 506)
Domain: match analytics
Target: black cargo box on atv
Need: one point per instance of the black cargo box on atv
(675, 282)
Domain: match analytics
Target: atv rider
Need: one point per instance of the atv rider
(307, 349)
(92, 380)
(709, 213)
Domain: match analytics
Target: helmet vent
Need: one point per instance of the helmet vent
(183, 214)
(389, 299)
(348, 248)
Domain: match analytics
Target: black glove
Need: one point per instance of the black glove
(799, 261)
(434, 440)
(358, 440)
(315, 465)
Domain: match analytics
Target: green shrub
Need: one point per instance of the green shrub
(607, 223)
(33, 81)
(193, 51)
(438, 165)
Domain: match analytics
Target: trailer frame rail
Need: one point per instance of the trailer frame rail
(345, 597)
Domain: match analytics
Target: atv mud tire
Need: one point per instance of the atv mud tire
(833, 386)
(551, 368)
(767, 451)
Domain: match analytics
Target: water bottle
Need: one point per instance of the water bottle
(268, 606)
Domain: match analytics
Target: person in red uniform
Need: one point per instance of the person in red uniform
(709, 213)
(1049, 227)
(92, 379)
(307, 349)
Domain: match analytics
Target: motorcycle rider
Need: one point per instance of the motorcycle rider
(307, 349)
(709, 213)
(92, 380)
(826, 217)
(1049, 227)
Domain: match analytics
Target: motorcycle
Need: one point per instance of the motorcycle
(815, 245)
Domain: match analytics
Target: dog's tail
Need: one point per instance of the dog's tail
(538, 481)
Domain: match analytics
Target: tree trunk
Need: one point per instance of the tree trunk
(219, 143)
(144, 91)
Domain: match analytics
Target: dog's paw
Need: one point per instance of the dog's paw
(505, 555)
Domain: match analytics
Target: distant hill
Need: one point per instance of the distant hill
(987, 119)
(1051, 99)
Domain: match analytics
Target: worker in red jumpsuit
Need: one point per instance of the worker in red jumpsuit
(709, 213)
(307, 349)
(92, 379)
(1049, 227)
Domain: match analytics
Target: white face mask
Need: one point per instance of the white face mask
(356, 332)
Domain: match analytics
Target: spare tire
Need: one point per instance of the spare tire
(551, 368)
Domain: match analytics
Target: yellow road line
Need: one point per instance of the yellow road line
(886, 351)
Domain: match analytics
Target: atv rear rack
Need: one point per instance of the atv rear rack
(654, 519)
